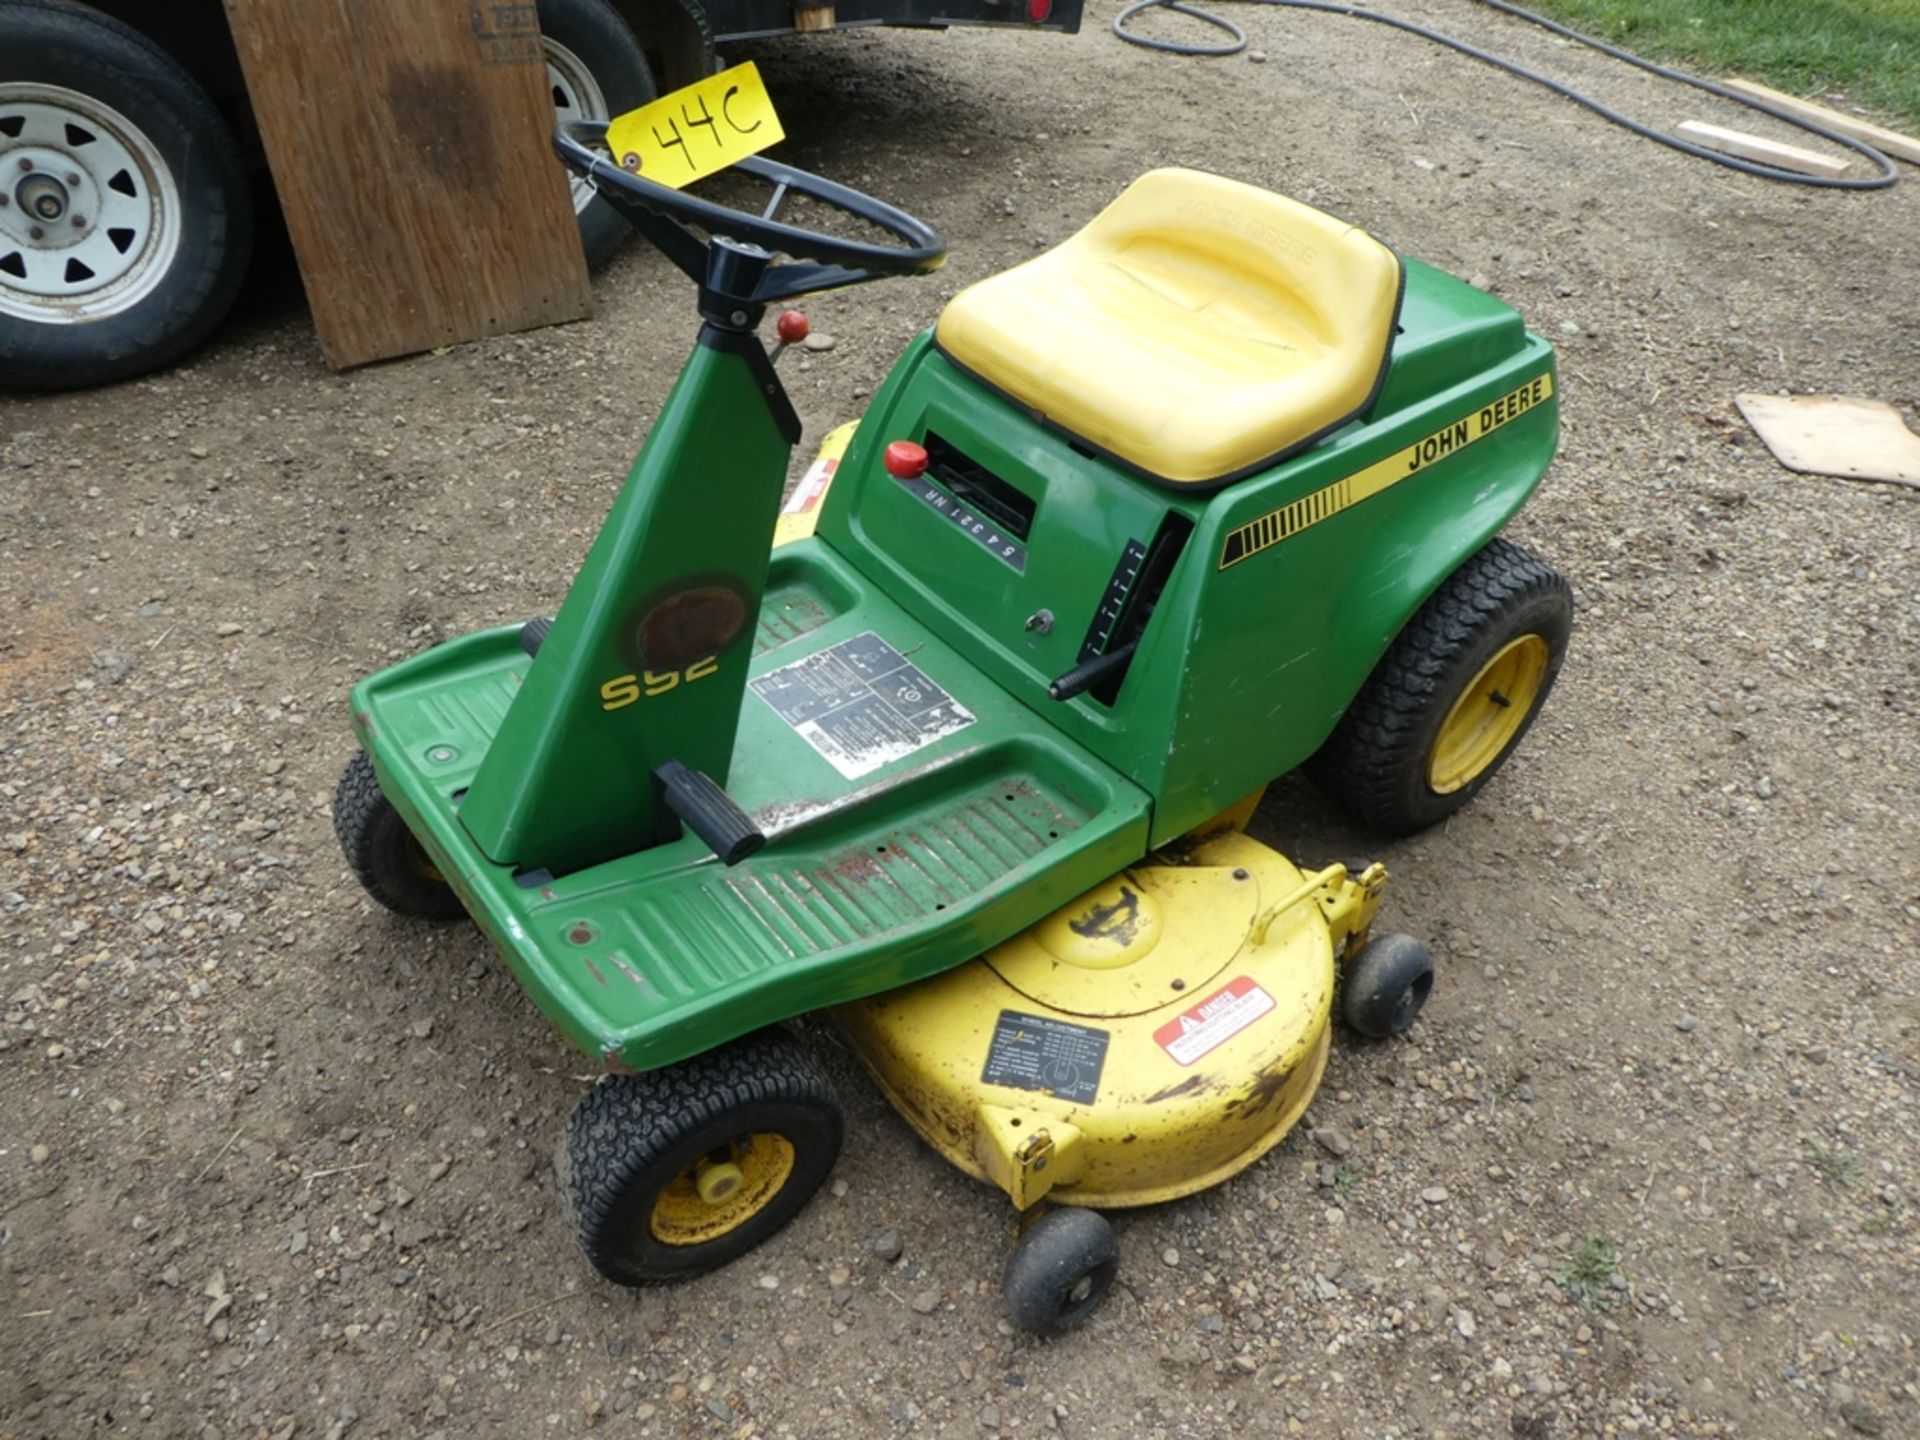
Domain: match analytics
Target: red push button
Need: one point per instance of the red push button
(905, 460)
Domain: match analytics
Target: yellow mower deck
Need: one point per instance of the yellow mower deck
(1149, 1040)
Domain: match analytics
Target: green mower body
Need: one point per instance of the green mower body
(878, 699)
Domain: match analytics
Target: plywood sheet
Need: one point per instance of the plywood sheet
(1835, 435)
(409, 141)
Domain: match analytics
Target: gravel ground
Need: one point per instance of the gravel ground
(274, 1163)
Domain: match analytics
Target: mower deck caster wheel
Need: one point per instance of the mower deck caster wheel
(381, 851)
(678, 1171)
(1386, 985)
(1060, 1271)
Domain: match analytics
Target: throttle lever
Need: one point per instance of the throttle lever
(1089, 673)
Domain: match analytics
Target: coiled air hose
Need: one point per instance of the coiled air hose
(1887, 176)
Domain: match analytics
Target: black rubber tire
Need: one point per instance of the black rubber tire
(534, 633)
(603, 42)
(57, 43)
(1375, 762)
(631, 1135)
(1060, 1271)
(1385, 986)
(382, 853)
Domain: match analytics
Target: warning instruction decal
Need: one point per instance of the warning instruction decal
(1277, 525)
(1214, 1021)
(1051, 1056)
(861, 704)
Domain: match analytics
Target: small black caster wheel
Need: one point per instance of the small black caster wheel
(678, 1171)
(1060, 1271)
(382, 852)
(1386, 985)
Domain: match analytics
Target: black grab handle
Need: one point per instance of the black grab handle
(707, 811)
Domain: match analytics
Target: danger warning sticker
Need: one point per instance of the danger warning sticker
(1214, 1021)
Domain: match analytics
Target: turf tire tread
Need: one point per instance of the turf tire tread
(630, 1125)
(1361, 765)
(373, 836)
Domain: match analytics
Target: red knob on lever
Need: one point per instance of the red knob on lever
(905, 460)
(791, 327)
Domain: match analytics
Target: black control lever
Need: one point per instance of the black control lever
(707, 811)
(1089, 673)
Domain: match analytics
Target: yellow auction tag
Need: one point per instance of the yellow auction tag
(698, 129)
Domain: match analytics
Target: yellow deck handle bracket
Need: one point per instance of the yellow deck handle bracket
(1347, 903)
(1351, 909)
(1027, 1153)
(1312, 885)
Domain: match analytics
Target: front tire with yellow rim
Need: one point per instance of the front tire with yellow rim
(1454, 694)
(678, 1171)
(382, 852)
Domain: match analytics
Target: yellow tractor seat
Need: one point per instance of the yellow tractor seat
(1197, 329)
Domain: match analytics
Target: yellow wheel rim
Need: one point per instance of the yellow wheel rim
(722, 1190)
(1488, 714)
(417, 857)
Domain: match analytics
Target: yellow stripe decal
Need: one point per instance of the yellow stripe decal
(1277, 525)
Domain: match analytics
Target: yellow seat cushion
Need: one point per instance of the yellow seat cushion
(1196, 328)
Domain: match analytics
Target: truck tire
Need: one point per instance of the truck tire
(125, 215)
(597, 71)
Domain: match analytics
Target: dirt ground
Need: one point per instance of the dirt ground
(274, 1163)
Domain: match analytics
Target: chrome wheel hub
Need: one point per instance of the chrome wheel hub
(43, 199)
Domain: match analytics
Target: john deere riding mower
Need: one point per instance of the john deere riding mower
(1207, 493)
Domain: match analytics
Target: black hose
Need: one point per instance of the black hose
(1888, 174)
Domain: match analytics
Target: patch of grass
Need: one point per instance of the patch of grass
(1888, 1218)
(1587, 1270)
(1866, 50)
(1346, 1184)
(1839, 1167)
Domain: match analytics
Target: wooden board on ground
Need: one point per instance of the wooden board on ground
(1901, 147)
(1835, 435)
(409, 143)
(1755, 147)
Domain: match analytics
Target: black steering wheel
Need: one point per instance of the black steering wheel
(668, 217)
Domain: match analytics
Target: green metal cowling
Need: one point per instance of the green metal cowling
(640, 667)
(1246, 666)
(866, 883)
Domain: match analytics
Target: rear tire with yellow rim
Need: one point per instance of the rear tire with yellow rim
(679, 1171)
(1454, 694)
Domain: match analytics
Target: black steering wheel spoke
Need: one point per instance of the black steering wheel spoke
(789, 282)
